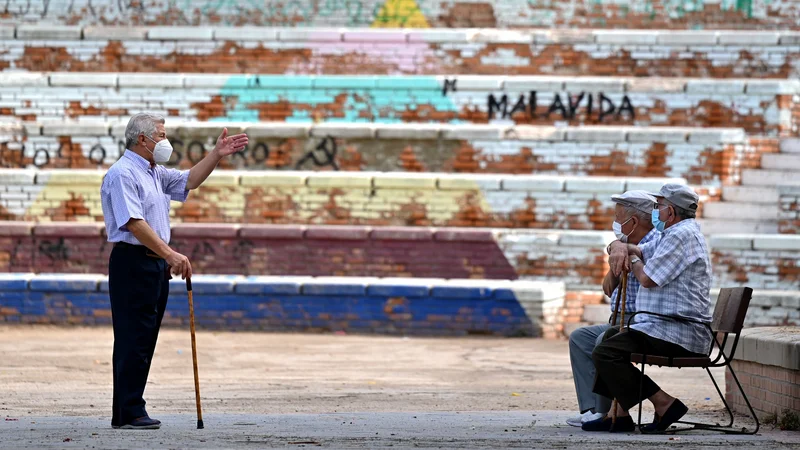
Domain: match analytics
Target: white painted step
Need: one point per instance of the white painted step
(790, 145)
(741, 211)
(721, 226)
(756, 177)
(596, 313)
(780, 161)
(750, 194)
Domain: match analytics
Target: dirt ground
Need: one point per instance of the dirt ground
(52, 372)
(67, 371)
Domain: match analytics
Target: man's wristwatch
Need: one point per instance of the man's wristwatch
(635, 259)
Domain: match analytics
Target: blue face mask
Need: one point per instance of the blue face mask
(657, 223)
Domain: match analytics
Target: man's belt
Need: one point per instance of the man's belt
(140, 248)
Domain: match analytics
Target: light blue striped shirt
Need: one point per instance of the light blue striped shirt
(678, 261)
(132, 189)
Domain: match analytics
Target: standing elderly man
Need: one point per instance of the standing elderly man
(632, 225)
(675, 276)
(135, 195)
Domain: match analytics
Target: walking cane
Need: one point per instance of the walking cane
(623, 293)
(194, 355)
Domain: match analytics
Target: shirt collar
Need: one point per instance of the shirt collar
(137, 159)
(682, 224)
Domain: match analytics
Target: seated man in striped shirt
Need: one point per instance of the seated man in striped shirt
(674, 271)
(632, 224)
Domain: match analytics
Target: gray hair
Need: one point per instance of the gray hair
(682, 213)
(142, 123)
(641, 215)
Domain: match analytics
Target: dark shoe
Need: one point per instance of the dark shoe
(622, 425)
(662, 423)
(142, 423)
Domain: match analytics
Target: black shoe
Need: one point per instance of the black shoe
(623, 425)
(142, 423)
(662, 423)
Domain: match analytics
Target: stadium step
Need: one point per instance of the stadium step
(760, 212)
(790, 145)
(750, 194)
(711, 227)
(781, 161)
(756, 177)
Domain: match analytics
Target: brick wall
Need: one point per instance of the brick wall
(725, 54)
(755, 14)
(789, 202)
(271, 250)
(342, 199)
(770, 389)
(760, 107)
(575, 258)
(768, 368)
(355, 305)
(702, 157)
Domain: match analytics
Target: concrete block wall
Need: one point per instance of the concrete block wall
(768, 308)
(767, 365)
(789, 215)
(355, 305)
(766, 261)
(701, 156)
(704, 53)
(576, 258)
(760, 107)
(342, 198)
(435, 14)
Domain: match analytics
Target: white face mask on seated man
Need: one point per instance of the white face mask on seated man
(617, 227)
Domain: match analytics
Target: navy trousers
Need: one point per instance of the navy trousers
(138, 283)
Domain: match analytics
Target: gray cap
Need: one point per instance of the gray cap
(680, 195)
(639, 200)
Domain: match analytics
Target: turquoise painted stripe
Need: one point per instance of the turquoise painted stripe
(380, 99)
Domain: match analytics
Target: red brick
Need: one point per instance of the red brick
(68, 229)
(402, 234)
(11, 228)
(347, 233)
(272, 231)
(467, 235)
(205, 230)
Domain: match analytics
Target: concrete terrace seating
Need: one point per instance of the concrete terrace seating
(768, 308)
(590, 150)
(708, 14)
(720, 54)
(760, 107)
(768, 365)
(339, 198)
(576, 258)
(367, 305)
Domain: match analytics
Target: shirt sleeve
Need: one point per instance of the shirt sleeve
(649, 248)
(125, 201)
(173, 182)
(669, 260)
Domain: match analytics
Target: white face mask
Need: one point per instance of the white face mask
(617, 227)
(162, 151)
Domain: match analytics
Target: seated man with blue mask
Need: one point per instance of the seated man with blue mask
(674, 271)
(632, 225)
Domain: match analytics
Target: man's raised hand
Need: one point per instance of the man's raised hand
(228, 145)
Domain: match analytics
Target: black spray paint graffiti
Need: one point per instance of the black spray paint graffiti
(55, 250)
(448, 85)
(323, 155)
(529, 106)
